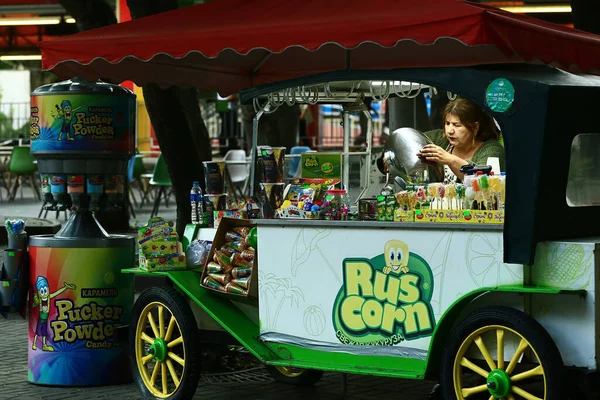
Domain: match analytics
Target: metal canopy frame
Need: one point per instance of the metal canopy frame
(351, 95)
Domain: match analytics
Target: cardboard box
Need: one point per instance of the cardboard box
(165, 262)
(157, 238)
(158, 247)
(226, 225)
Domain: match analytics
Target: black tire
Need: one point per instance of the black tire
(517, 321)
(295, 376)
(176, 306)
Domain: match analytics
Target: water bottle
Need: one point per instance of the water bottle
(200, 206)
(194, 201)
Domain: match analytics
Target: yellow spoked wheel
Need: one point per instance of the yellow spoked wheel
(290, 372)
(501, 353)
(163, 352)
(295, 376)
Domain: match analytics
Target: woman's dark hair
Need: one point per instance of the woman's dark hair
(469, 114)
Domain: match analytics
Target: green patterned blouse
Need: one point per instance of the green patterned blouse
(489, 148)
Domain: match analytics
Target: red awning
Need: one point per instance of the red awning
(227, 45)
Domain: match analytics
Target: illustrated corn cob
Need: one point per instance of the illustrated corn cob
(566, 268)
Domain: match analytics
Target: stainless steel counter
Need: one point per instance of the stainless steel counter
(312, 223)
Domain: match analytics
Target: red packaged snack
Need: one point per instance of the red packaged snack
(248, 255)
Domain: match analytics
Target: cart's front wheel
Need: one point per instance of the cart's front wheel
(501, 353)
(295, 376)
(164, 353)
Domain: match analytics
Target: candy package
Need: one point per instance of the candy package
(238, 261)
(242, 231)
(222, 258)
(241, 272)
(223, 279)
(232, 236)
(248, 254)
(306, 195)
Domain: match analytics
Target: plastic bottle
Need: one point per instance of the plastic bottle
(200, 206)
(194, 194)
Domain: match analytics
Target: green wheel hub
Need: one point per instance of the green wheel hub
(158, 349)
(498, 383)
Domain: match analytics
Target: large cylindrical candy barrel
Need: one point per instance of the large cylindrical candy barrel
(78, 300)
(80, 127)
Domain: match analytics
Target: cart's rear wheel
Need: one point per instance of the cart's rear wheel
(501, 353)
(295, 376)
(164, 351)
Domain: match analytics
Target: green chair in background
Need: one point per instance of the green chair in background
(139, 169)
(22, 165)
(161, 180)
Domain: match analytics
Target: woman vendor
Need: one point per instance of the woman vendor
(469, 137)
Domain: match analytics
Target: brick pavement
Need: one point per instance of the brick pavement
(257, 386)
(257, 383)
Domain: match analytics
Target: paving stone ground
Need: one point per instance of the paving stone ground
(257, 386)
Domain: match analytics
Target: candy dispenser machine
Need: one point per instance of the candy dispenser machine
(82, 135)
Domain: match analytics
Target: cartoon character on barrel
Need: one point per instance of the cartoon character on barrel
(42, 297)
(65, 112)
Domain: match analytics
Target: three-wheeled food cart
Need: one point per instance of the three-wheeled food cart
(492, 310)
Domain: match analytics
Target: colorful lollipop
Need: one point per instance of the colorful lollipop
(431, 192)
(469, 196)
(460, 194)
(450, 194)
(476, 193)
(484, 185)
(420, 196)
(441, 192)
(495, 189)
(412, 200)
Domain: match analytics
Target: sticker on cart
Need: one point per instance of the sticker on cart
(500, 95)
(384, 300)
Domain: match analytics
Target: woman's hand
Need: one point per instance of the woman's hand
(435, 154)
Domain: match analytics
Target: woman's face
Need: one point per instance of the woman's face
(458, 135)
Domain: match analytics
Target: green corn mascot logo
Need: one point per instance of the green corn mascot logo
(386, 299)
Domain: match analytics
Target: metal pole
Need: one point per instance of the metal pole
(367, 160)
(254, 146)
(346, 154)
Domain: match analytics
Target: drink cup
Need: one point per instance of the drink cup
(271, 196)
(214, 176)
(273, 161)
